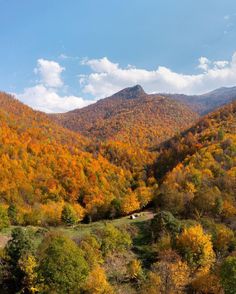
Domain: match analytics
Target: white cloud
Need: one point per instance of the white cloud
(49, 72)
(101, 65)
(220, 64)
(204, 63)
(42, 98)
(107, 77)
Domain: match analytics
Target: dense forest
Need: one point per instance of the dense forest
(130, 116)
(60, 192)
(43, 164)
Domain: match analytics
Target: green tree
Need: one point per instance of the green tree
(17, 247)
(4, 220)
(164, 222)
(228, 275)
(68, 215)
(19, 244)
(219, 205)
(91, 247)
(12, 212)
(113, 239)
(62, 266)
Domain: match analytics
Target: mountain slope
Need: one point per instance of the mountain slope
(200, 135)
(28, 119)
(41, 163)
(130, 116)
(198, 168)
(207, 102)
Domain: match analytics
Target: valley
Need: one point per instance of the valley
(73, 190)
(117, 147)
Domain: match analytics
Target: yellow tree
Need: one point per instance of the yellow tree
(196, 247)
(28, 266)
(152, 285)
(130, 203)
(97, 282)
(207, 282)
(173, 272)
(134, 269)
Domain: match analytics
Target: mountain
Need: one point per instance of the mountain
(43, 165)
(189, 236)
(206, 103)
(130, 116)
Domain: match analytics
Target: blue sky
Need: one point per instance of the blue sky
(56, 55)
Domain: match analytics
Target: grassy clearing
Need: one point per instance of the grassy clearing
(80, 230)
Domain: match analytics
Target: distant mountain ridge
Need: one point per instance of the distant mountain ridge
(207, 102)
(130, 116)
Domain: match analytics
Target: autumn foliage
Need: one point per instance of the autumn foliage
(130, 116)
(41, 164)
(51, 176)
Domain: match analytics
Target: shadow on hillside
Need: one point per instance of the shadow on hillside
(142, 241)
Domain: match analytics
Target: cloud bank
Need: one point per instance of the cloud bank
(106, 78)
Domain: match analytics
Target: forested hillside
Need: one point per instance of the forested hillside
(130, 116)
(193, 233)
(51, 176)
(44, 165)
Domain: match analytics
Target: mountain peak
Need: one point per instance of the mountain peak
(131, 92)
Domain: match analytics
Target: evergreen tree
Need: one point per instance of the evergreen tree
(68, 215)
(12, 212)
(17, 248)
(4, 220)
